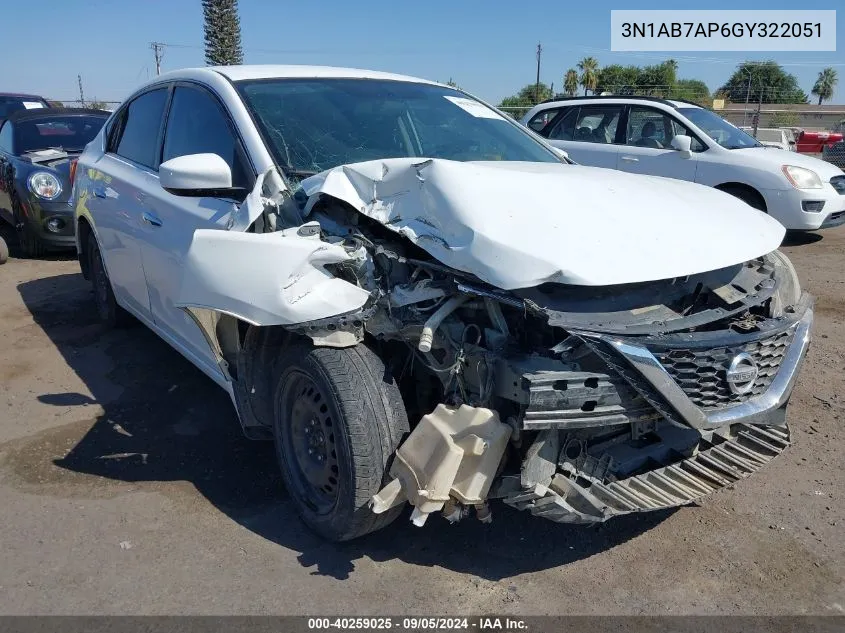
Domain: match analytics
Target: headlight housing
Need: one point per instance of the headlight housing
(45, 185)
(802, 178)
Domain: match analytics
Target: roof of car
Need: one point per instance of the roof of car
(37, 113)
(675, 102)
(276, 71)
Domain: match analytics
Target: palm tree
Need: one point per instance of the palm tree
(589, 73)
(825, 84)
(570, 82)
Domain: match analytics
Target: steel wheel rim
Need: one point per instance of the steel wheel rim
(310, 446)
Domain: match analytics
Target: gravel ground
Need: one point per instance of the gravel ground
(127, 488)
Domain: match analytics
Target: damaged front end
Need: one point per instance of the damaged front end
(555, 389)
(617, 405)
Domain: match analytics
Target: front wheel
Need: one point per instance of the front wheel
(749, 196)
(337, 422)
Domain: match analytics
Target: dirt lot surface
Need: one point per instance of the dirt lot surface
(126, 487)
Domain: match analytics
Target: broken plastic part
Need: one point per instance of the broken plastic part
(452, 453)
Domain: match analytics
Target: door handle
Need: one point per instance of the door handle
(630, 159)
(100, 191)
(150, 219)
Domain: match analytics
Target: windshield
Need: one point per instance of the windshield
(315, 124)
(69, 133)
(718, 129)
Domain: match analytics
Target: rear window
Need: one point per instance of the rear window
(69, 133)
(10, 105)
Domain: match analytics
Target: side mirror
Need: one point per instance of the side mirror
(198, 176)
(561, 152)
(683, 144)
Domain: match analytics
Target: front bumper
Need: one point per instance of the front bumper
(40, 213)
(715, 464)
(706, 435)
(787, 207)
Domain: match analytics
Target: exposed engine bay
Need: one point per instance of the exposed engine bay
(575, 402)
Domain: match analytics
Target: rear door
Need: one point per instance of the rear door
(196, 123)
(116, 195)
(590, 133)
(648, 145)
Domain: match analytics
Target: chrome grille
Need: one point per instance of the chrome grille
(701, 373)
(838, 183)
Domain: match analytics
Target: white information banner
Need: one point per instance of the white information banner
(757, 30)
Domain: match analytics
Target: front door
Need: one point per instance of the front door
(648, 146)
(196, 124)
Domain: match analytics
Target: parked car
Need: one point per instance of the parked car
(814, 141)
(835, 154)
(679, 139)
(782, 138)
(11, 102)
(420, 301)
(37, 150)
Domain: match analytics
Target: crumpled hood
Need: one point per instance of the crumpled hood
(518, 225)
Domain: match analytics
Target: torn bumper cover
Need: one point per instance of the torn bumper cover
(719, 424)
(575, 499)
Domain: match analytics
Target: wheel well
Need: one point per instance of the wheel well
(83, 231)
(739, 188)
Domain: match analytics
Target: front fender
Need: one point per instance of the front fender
(266, 278)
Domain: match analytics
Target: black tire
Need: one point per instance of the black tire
(345, 395)
(747, 195)
(110, 314)
(29, 243)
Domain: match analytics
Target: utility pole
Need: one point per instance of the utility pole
(537, 83)
(158, 51)
(747, 97)
(757, 114)
(81, 96)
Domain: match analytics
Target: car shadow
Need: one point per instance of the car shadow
(164, 421)
(801, 238)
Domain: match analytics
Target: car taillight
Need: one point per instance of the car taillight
(72, 171)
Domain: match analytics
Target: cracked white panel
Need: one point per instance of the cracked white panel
(266, 279)
(518, 225)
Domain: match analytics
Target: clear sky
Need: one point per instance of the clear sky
(488, 47)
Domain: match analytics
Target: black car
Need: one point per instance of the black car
(37, 148)
(11, 102)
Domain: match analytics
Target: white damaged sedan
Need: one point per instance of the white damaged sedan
(422, 303)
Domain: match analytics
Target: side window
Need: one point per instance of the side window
(6, 138)
(542, 119)
(564, 128)
(648, 127)
(597, 123)
(680, 128)
(198, 125)
(135, 134)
